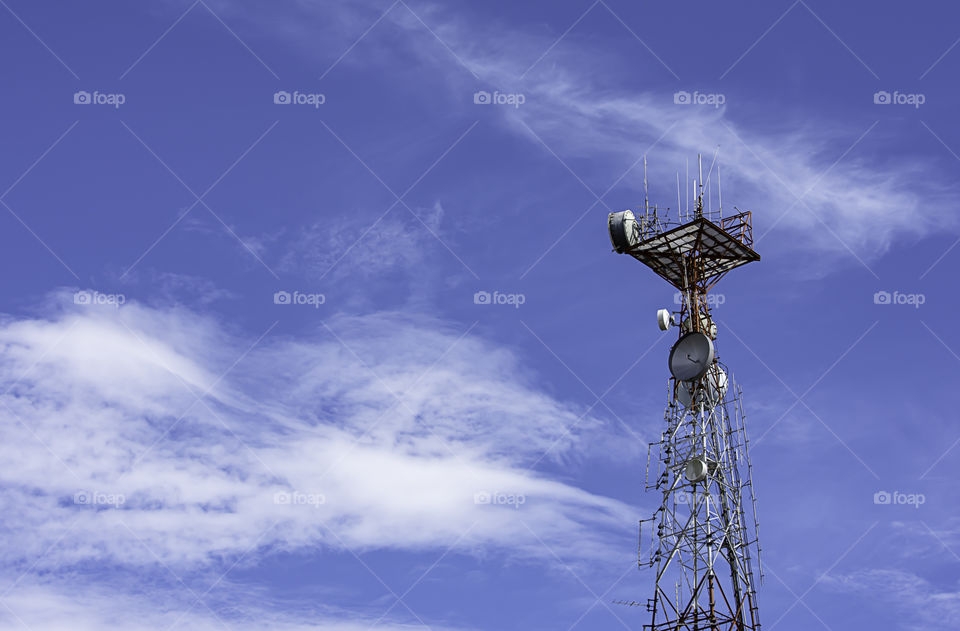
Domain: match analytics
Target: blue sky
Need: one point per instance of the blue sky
(246, 383)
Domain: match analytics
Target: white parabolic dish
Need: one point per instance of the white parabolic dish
(664, 319)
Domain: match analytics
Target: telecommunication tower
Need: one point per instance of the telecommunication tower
(704, 536)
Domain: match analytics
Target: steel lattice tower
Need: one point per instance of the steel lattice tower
(702, 535)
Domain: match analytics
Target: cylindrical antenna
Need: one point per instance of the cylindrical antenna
(699, 191)
(686, 206)
(716, 154)
(693, 183)
(700, 171)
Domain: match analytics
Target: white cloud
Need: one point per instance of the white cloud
(850, 201)
(103, 401)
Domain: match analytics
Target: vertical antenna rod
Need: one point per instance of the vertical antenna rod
(709, 192)
(716, 154)
(699, 191)
(645, 205)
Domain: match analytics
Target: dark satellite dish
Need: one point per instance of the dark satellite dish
(624, 230)
(710, 392)
(691, 356)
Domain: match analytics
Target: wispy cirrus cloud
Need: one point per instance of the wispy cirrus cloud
(810, 178)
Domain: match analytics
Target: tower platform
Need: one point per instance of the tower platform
(698, 252)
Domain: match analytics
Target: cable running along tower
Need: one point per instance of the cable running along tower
(703, 539)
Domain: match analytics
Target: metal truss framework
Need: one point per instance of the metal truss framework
(703, 533)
